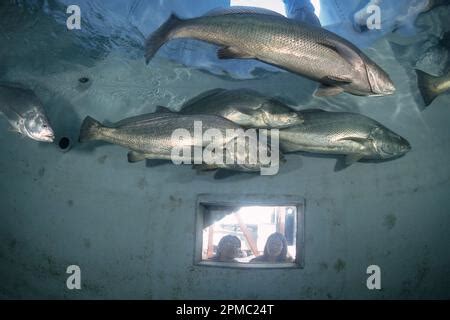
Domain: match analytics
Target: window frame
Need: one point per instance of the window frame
(234, 200)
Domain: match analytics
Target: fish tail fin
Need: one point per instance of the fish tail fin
(157, 39)
(90, 130)
(436, 3)
(426, 85)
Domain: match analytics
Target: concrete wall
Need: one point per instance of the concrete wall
(130, 228)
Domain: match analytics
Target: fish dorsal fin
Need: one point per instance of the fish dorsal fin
(349, 54)
(284, 106)
(143, 118)
(327, 91)
(242, 9)
(204, 95)
(284, 100)
(10, 114)
(161, 109)
(311, 110)
(130, 120)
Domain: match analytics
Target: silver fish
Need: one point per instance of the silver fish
(25, 113)
(435, 3)
(149, 136)
(247, 108)
(307, 50)
(342, 133)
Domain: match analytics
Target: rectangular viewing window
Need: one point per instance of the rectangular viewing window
(250, 231)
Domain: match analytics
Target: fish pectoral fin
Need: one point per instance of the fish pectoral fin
(355, 139)
(134, 156)
(150, 163)
(311, 111)
(327, 91)
(224, 173)
(161, 109)
(346, 52)
(13, 129)
(232, 53)
(253, 113)
(270, 124)
(352, 158)
(204, 167)
(426, 83)
(347, 161)
(266, 118)
(337, 80)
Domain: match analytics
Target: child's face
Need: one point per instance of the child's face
(274, 247)
(229, 252)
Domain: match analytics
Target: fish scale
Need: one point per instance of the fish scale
(271, 40)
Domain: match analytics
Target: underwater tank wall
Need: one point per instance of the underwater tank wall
(131, 227)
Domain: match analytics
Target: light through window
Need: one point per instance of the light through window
(274, 5)
(256, 234)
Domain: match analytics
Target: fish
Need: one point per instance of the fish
(25, 113)
(149, 136)
(445, 41)
(245, 107)
(432, 86)
(304, 49)
(353, 135)
(432, 4)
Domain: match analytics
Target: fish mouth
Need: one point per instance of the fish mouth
(42, 137)
(48, 138)
(406, 147)
(45, 137)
